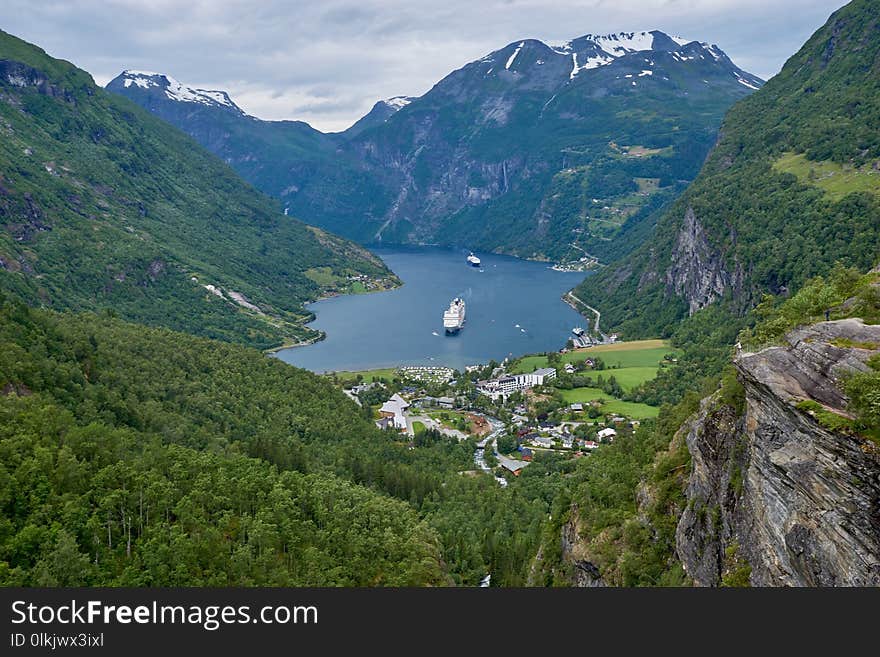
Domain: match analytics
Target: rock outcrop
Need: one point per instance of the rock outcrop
(774, 489)
(697, 272)
(584, 574)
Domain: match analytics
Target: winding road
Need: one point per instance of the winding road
(586, 305)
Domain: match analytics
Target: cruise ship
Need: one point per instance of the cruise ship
(453, 318)
(473, 260)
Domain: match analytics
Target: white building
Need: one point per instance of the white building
(538, 377)
(507, 385)
(395, 409)
(607, 434)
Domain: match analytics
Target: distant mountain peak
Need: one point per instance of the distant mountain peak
(592, 51)
(174, 89)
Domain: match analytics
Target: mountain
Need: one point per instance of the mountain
(535, 149)
(104, 206)
(790, 188)
(762, 468)
(381, 112)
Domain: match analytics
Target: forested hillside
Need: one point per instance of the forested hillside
(104, 206)
(148, 457)
(792, 186)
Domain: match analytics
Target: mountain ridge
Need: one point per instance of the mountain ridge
(793, 166)
(104, 206)
(505, 153)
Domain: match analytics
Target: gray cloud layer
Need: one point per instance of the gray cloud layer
(328, 62)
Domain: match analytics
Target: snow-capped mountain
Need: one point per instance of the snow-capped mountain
(591, 51)
(530, 149)
(164, 86)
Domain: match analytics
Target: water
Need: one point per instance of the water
(513, 307)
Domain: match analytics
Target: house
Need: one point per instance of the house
(542, 441)
(589, 444)
(577, 407)
(364, 387)
(395, 409)
(567, 442)
(525, 453)
(514, 467)
(445, 402)
(569, 368)
(607, 434)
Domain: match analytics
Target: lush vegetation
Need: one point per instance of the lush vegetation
(789, 189)
(103, 205)
(133, 455)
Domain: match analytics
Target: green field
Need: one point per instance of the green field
(418, 428)
(837, 180)
(368, 375)
(609, 403)
(635, 354)
(583, 395)
(631, 363)
(634, 410)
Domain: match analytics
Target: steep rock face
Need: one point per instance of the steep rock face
(697, 272)
(717, 456)
(798, 502)
(585, 574)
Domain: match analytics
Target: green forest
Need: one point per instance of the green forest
(142, 456)
(103, 205)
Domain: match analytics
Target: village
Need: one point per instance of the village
(566, 403)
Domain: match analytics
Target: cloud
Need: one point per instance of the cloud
(328, 62)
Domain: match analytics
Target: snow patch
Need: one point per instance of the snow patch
(397, 102)
(622, 43)
(559, 47)
(745, 82)
(592, 62)
(513, 56)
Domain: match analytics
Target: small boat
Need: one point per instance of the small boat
(578, 331)
(473, 260)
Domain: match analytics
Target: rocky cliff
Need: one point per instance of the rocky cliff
(775, 494)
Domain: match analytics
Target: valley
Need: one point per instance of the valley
(224, 358)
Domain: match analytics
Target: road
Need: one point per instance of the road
(598, 314)
(490, 440)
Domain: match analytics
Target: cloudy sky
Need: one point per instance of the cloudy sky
(328, 62)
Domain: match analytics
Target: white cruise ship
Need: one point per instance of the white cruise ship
(453, 318)
(473, 260)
